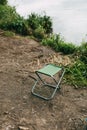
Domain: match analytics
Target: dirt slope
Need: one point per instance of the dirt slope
(19, 109)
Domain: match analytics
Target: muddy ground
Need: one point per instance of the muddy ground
(19, 109)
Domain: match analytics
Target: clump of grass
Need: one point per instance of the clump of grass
(59, 45)
(8, 33)
(83, 52)
(77, 74)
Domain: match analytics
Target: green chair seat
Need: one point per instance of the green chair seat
(49, 70)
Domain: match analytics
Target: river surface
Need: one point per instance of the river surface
(69, 16)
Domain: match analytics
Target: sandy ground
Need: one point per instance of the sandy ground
(19, 109)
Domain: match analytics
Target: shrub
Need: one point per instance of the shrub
(3, 2)
(49, 41)
(11, 20)
(35, 25)
(66, 48)
(83, 52)
(77, 74)
(58, 44)
(35, 21)
(46, 23)
(19, 26)
(39, 33)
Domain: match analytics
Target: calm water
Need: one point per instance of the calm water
(69, 16)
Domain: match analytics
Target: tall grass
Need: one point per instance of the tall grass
(77, 74)
(59, 45)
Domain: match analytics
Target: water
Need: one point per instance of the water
(69, 16)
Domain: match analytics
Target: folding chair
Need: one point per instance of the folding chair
(49, 70)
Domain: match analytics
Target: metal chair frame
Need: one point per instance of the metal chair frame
(49, 70)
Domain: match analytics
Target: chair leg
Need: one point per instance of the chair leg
(35, 94)
(43, 97)
(55, 89)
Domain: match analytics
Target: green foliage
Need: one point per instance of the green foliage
(67, 48)
(38, 24)
(33, 21)
(39, 33)
(8, 33)
(49, 41)
(46, 23)
(83, 52)
(77, 74)
(59, 45)
(3, 2)
(11, 20)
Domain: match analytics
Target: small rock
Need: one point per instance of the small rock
(23, 128)
(25, 97)
(6, 112)
(9, 127)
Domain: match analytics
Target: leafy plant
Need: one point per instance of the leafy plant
(11, 20)
(83, 52)
(49, 41)
(66, 48)
(59, 45)
(77, 74)
(46, 23)
(3, 2)
(39, 33)
(35, 21)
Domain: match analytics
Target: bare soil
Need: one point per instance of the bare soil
(19, 109)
